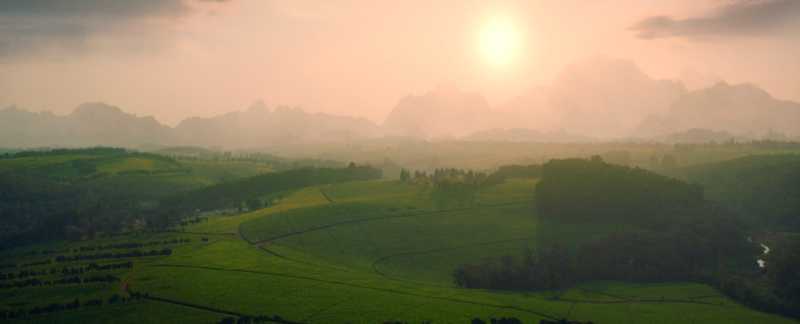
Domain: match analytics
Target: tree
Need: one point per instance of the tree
(405, 175)
(254, 204)
(782, 269)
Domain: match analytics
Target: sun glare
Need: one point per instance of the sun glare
(499, 41)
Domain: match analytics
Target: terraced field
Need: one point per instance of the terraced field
(364, 252)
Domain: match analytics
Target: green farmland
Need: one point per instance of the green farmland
(357, 252)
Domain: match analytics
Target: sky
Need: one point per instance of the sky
(175, 59)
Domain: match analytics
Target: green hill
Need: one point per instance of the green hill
(54, 194)
(764, 189)
(356, 252)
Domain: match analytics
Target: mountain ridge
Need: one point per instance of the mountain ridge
(598, 99)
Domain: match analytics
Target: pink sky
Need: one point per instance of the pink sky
(360, 57)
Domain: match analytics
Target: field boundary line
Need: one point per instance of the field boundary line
(211, 309)
(327, 308)
(382, 259)
(347, 284)
(597, 292)
(281, 256)
(201, 233)
(442, 249)
(641, 301)
(126, 287)
(191, 305)
(324, 194)
(369, 219)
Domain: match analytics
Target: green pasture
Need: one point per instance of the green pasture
(366, 252)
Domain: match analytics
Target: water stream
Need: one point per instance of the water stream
(761, 263)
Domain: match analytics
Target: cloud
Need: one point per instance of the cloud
(28, 26)
(110, 8)
(739, 18)
(18, 36)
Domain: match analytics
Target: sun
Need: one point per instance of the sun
(499, 41)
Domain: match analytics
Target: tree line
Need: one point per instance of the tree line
(100, 151)
(275, 162)
(91, 248)
(491, 320)
(108, 255)
(763, 189)
(71, 280)
(23, 274)
(443, 177)
(130, 245)
(61, 307)
(514, 171)
(643, 227)
(247, 319)
(459, 187)
(450, 186)
(36, 263)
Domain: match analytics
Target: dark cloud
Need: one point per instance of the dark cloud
(110, 8)
(740, 18)
(18, 36)
(27, 26)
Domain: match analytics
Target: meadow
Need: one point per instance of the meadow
(357, 252)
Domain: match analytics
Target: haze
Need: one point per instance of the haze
(343, 161)
(178, 59)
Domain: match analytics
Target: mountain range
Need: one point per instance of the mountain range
(599, 99)
(603, 99)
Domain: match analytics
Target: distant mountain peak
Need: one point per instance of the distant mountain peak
(742, 89)
(446, 111)
(739, 109)
(258, 105)
(94, 108)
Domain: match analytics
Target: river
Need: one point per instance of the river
(760, 261)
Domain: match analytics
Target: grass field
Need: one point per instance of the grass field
(97, 164)
(359, 252)
(38, 162)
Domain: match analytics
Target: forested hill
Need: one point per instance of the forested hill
(763, 189)
(598, 221)
(574, 190)
(79, 193)
(57, 194)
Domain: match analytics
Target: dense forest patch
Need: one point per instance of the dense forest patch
(634, 226)
(763, 189)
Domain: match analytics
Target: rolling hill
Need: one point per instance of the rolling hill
(359, 252)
